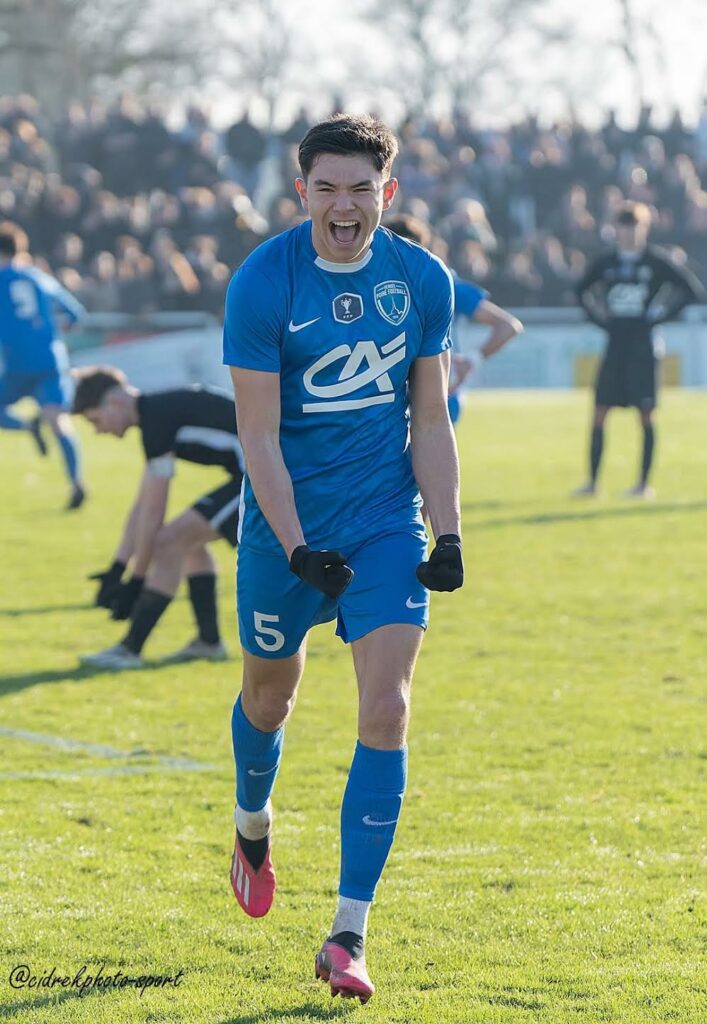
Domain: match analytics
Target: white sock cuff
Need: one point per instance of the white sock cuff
(253, 824)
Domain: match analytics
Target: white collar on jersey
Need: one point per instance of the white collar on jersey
(344, 268)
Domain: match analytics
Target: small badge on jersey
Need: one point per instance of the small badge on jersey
(347, 308)
(392, 301)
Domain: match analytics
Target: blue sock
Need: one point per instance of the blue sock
(70, 450)
(10, 422)
(257, 755)
(369, 813)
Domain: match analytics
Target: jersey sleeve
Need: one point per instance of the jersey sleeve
(467, 297)
(254, 321)
(438, 309)
(59, 296)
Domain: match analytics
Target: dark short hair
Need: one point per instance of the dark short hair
(8, 243)
(92, 385)
(410, 227)
(346, 135)
(631, 213)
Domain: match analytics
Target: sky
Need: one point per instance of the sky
(588, 73)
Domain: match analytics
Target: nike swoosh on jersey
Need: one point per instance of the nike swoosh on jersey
(414, 604)
(251, 771)
(371, 821)
(293, 328)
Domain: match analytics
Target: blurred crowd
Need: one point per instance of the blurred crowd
(135, 215)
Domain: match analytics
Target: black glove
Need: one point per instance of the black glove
(109, 585)
(444, 570)
(326, 571)
(125, 597)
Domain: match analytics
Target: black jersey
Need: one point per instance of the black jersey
(196, 424)
(628, 293)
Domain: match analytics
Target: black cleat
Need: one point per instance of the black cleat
(35, 429)
(78, 496)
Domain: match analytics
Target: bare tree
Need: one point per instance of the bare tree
(446, 48)
(61, 49)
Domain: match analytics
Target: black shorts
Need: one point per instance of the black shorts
(628, 375)
(220, 509)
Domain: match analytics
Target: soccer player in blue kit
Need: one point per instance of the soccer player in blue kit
(35, 361)
(337, 333)
(469, 301)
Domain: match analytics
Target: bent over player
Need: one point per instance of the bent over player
(35, 361)
(197, 425)
(338, 334)
(627, 292)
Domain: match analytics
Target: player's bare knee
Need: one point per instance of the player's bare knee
(385, 716)
(268, 707)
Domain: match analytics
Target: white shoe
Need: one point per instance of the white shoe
(117, 658)
(199, 650)
(641, 491)
(588, 490)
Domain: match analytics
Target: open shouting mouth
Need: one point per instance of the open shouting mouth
(345, 232)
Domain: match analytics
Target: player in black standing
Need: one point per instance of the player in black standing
(627, 291)
(195, 424)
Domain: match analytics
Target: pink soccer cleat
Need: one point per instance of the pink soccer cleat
(347, 977)
(254, 890)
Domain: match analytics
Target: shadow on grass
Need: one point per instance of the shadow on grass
(308, 1011)
(44, 609)
(13, 683)
(9, 1011)
(584, 515)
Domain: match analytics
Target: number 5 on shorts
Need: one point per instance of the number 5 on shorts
(275, 639)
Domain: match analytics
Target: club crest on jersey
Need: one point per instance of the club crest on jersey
(392, 301)
(347, 307)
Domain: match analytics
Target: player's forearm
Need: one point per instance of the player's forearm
(272, 486)
(500, 335)
(126, 546)
(436, 467)
(150, 519)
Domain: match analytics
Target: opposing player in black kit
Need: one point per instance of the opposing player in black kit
(195, 424)
(627, 291)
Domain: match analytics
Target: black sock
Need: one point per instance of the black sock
(202, 594)
(149, 609)
(595, 451)
(648, 447)
(351, 942)
(254, 850)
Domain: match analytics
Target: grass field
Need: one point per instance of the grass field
(547, 865)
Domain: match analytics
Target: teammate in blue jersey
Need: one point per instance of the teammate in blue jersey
(35, 363)
(338, 335)
(469, 301)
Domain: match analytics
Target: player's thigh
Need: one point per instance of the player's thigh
(385, 660)
(220, 509)
(275, 608)
(385, 590)
(184, 532)
(13, 387)
(53, 394)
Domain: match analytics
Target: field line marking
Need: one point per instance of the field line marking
(182, 764)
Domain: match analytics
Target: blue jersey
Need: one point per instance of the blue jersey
(27, 326)
(467, 296)
(343, 338)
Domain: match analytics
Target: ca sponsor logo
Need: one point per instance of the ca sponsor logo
(392, 301)
(362, 365)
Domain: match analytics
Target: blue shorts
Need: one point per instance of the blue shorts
(455, 407)
(51, 388)
(276, 609)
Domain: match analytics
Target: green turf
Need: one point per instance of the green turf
(547, 863)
